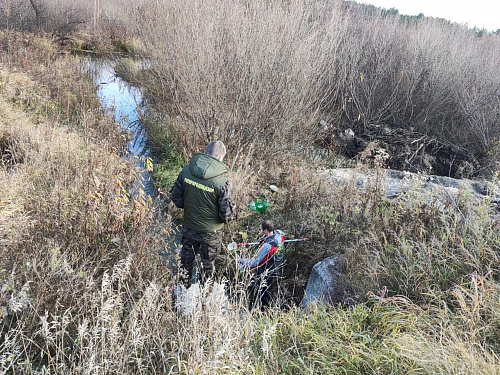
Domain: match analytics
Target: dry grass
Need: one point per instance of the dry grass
(82, 289)
(261, 77)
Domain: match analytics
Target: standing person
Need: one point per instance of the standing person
(202, 190)
(267, 262)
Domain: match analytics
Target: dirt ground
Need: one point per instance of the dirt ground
(403, 148)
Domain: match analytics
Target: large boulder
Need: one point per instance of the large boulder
(398, 184)
(325, 283)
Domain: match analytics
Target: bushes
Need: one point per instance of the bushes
(246, 78)
(261, 76)
(43, 15)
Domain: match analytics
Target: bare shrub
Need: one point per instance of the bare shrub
(436, 77)
(459, 85)
(56, 16)
(371, 57)
(261, 76)
(245, 73)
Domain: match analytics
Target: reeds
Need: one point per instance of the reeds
(262, 77)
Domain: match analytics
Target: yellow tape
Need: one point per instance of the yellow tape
(198, 185)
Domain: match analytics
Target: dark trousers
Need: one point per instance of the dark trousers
(260, 289)
(266, 275)
(206, 245)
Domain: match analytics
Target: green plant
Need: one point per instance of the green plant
(166, 172)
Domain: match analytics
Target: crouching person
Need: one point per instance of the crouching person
(268, 262)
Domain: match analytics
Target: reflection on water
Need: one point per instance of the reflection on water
(124, 102)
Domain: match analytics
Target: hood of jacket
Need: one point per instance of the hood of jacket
(275, 239)
(205, 166)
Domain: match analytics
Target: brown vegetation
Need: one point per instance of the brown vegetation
(82, 288)
(262, 76)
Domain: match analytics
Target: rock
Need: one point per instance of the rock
(324, 282)
(273, 188)
(386, 131)
(348, 134)
(398, 184)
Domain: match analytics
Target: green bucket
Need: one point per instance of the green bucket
(259, 204)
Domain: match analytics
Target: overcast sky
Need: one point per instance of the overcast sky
(476, 13)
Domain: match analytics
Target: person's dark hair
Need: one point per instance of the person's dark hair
(216, 149)
(267, 225)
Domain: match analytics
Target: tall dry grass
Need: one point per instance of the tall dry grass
(66, 215)
(262, 76)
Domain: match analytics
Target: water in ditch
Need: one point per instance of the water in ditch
(124, 102)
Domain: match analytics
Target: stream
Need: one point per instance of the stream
(124, 102)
